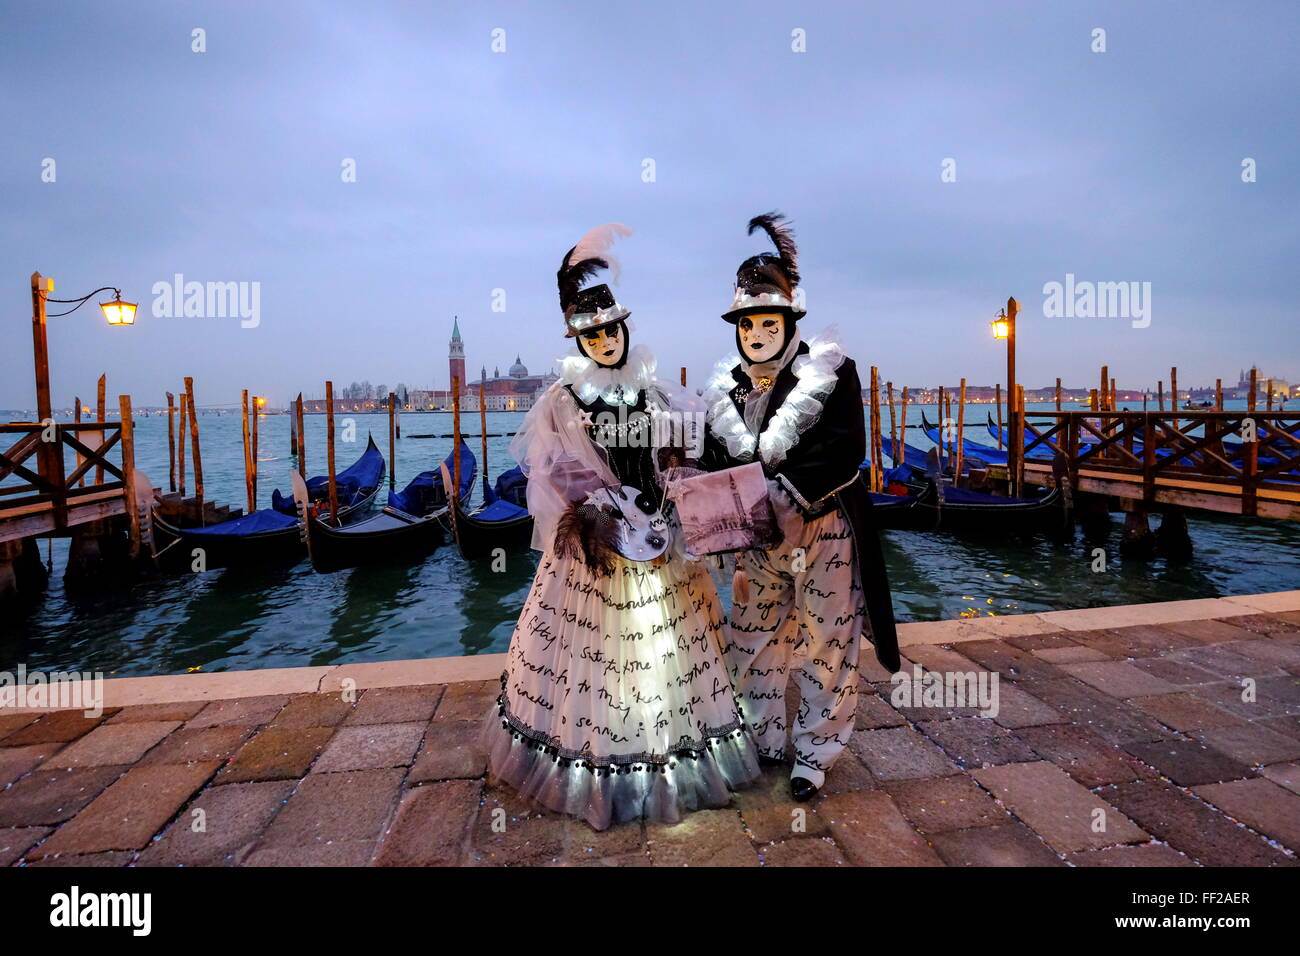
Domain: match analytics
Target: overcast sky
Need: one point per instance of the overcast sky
(476, 170)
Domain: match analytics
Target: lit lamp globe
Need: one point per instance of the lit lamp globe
(118, 312)
(1001, 327)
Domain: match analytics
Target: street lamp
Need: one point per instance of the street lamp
(1004, 327)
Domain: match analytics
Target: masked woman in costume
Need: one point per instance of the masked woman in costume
(615, 703)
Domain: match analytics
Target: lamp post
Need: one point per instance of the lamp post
(1004, 327)
(116, 312)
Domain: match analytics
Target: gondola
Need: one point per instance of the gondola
(970, 450)
(964, 511)
(426, 493)
(395, 534)
(499, 524)
(267, 535)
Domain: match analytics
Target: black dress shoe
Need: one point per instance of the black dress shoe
(802, 789)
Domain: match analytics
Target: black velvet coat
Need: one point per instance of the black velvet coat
(822, 471)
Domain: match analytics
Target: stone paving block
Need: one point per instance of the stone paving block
(471, 700)
(874, 713)
(277, 755)
(925, 698)
(1268, 625)
(370, 747)
(1176, 671)
(110, 745)
(350, 853)
(1186, 713)
(1228, 695)
(1118, 679)
(1142, 854)
(432, 825)
(1105, 715)
(1018, 708)
(1042, 641)
(1260, 804)
(847, 773)
(9, 723)
(1011, 662)
(770, 813)
(945, 803)
(1141, 640)
(802, 853)
(1185, 823)
(59, 726)
(1287, 726)
(397, 705)
(234, 816)
(1284, 689)
(336, 808)
(1075, 654)
(1189, 762)
(899, 753)
(1084, 755)
(510, 831)
(451, 750)
(312, 710)
(977, 742)
(15, 841)
(1268, 651)
(1209, 631)
(206, 743)
(52, 796)
(1008, 844)
(239, 712)
(112, 858)
(16, 761)
(869, 830)
(181, 710)
(934, 657)
(1251, 744)
(624, 841)
(703, 838)
(1284, 775)
(1227, 664)
(1056, 807)
(130, 812)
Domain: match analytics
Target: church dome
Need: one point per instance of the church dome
(518, 370)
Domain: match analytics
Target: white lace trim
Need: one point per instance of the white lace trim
(591, 381)
(816, 378)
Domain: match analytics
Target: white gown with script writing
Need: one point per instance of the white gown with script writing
(616, 703)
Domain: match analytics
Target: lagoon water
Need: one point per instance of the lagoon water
(256, 617)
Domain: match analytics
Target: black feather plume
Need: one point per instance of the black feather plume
(774, 224)
(571, 277)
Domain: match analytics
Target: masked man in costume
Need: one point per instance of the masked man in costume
(809, 601)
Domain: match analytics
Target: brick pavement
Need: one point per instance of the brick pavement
(1174, 744)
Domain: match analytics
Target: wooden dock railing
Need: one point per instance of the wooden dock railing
(41, 491)
(1239, 462)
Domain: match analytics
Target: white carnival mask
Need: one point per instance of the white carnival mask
(643, 530)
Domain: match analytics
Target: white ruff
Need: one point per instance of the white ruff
(591, 381)
(816, 379)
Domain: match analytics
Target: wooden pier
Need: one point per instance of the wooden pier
(1170, 458)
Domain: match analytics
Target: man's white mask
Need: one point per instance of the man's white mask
(761, 337)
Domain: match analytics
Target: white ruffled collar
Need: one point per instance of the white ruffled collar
(816, 377)
(591, 381)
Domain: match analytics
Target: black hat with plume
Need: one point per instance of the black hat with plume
(767, 282)
(594, 307)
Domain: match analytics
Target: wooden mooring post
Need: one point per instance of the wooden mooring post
(248, 452)
(392, 440)
(454, 492)
(900, 448)
(194, 447)
(171, 442)
(997, 390)
(329, 453)
(302, 437)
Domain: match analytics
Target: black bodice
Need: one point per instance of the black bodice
(623, 432)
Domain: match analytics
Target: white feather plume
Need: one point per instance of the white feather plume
(597, 243)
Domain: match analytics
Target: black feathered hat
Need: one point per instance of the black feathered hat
(594, 307)
(767, 282)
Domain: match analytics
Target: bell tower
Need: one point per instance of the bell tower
(456, 356)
